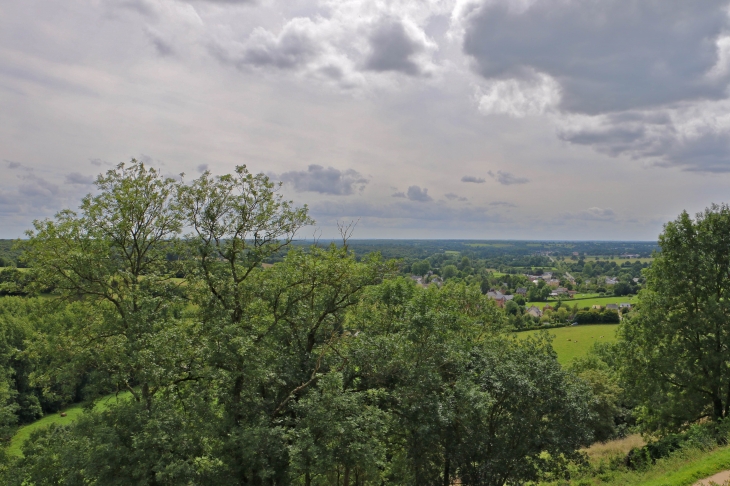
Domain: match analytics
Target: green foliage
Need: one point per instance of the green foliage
(676, 343)
(604, 316)
(321, 369)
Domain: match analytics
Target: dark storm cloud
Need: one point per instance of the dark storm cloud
(607, 55)
(503, 204)
(202, 167)
(474, 179)
(507, 178)
(392, 49)
(398, 194)
(13, 165)
(415, 193)
(325, 180)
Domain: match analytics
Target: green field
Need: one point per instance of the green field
(72, 413)
(586, 301)
(575, 341)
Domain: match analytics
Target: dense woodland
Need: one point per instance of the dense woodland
(332, 366)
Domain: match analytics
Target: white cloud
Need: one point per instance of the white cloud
(534, 95)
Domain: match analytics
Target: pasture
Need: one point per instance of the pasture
(586, 301)
(575, 341)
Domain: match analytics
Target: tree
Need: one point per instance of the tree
(677, 342)
(113, 255)
(420, 268)
(449, 271)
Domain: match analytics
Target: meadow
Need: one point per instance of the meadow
(587, 300)
(575, 341)
(72, 412)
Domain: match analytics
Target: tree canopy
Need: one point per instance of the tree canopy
(677, 344)
(323, 369)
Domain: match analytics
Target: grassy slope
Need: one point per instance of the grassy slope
(72, 413)
(574, 341)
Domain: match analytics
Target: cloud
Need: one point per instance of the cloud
(608, 54)
(415, 193)
(643, 79)
(424, 213)
(398, 194)
(76, 178)
(536, 94)
(592, 214)
(293, 47)
(503, 204)
(507, 178)
(13, 165)
(474, 179)
(325, 180)
(202, 168)
(455, 197)
(695, 137)
(230, 2)
(350, 43)
(394, 47)
(37, 187)
(96, 162)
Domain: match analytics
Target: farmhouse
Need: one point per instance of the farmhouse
(499, 297)
(534, 311)
(612, 307)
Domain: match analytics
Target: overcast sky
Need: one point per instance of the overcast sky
(550, 119)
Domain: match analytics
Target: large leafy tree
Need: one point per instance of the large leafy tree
(677, 344)
(114, 255)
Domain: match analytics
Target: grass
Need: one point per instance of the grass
(586, 301)
(684, 468)
(72, 412)
(575, 341)
(604, 451)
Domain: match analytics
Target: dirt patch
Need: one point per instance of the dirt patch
(721, 478)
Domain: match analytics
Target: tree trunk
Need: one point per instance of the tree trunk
(346, 477)
(717, 411)
(447, 473)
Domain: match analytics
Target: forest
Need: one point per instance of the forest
(228, 352)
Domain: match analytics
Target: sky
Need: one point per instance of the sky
(484, 119)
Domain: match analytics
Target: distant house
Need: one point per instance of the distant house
(561, 290)
(611, 281)
(499, 297)
(596, 306)
(534, 311)
(612, 307)
(635, 279)
(547, 307)
(571, 293)
(521, 291)
(624, 305)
